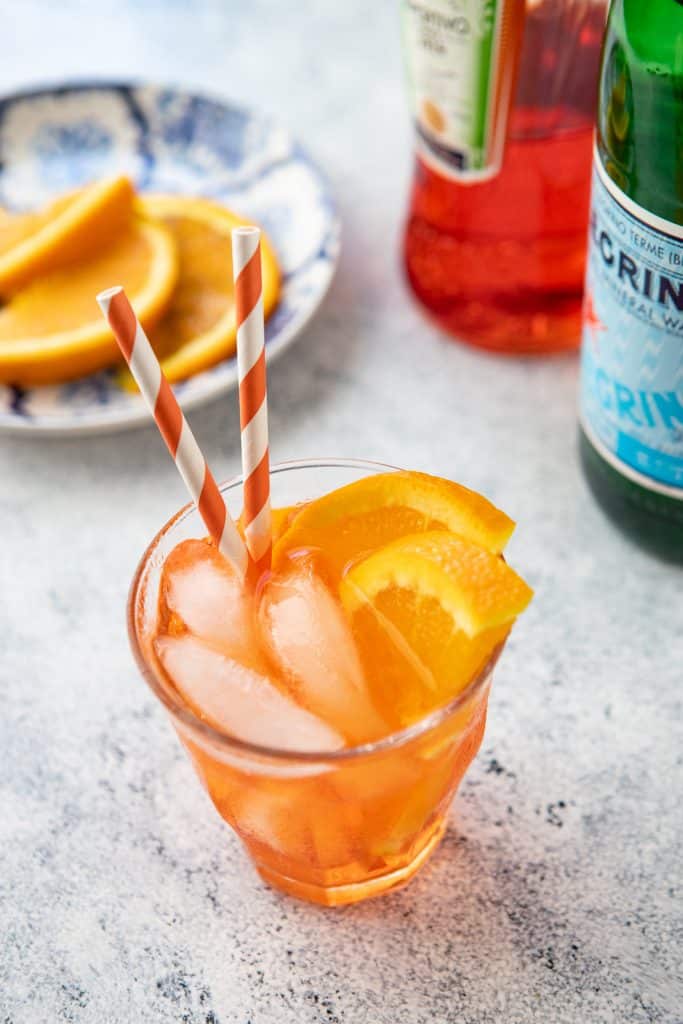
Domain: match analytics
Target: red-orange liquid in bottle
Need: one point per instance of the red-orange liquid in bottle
(499, 262)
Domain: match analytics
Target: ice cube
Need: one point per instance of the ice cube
(202, 589)
(306, 634)
(303, 821)
(240, 700)
(275, 817)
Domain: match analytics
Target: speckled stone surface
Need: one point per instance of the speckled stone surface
(556, 895)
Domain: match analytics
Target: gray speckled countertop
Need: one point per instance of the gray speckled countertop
(556, 895)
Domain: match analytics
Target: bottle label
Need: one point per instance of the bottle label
(632, 354)
(453, 49)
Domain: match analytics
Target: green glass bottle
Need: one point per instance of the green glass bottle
(631, 414)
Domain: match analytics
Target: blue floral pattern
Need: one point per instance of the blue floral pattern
(172, 141)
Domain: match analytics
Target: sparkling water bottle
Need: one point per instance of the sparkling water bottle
(632, 356)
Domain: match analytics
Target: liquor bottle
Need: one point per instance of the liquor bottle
(495, 238)
(631, 410)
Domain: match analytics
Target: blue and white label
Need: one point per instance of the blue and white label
(632, 354)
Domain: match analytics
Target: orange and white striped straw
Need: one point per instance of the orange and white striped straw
(173, 426)
(251, 365)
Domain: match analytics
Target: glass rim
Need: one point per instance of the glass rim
(232, 744)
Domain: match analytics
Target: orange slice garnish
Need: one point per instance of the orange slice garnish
(428, 611)
(355, 520)
(67, 231)
(198, 328)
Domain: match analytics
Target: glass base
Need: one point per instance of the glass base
(354, 892)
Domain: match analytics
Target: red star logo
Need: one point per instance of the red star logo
(591, 319)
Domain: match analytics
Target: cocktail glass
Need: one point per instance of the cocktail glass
(332, 828)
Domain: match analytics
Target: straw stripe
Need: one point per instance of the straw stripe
(213, 511)
(173, 426)
(251, 364)
(168, 415)
(252, 390)
(122, 320)
(190, 461)
(258, 533)
(258, 486)
(249, 355)
(248, 285)
(255, 439)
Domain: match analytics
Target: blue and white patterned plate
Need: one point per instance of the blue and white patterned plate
(166, 140)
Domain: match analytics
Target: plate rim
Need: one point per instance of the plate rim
(139, 415)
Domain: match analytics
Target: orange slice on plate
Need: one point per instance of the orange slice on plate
(355, 520)
(428, 611)
(67, 231)
(198, 328)
(52, 329)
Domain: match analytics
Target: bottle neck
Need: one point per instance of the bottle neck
(640, 110)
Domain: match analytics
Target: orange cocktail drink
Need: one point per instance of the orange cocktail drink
(332, 706)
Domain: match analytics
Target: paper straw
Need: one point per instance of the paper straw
(174, 428)
(251, 364)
